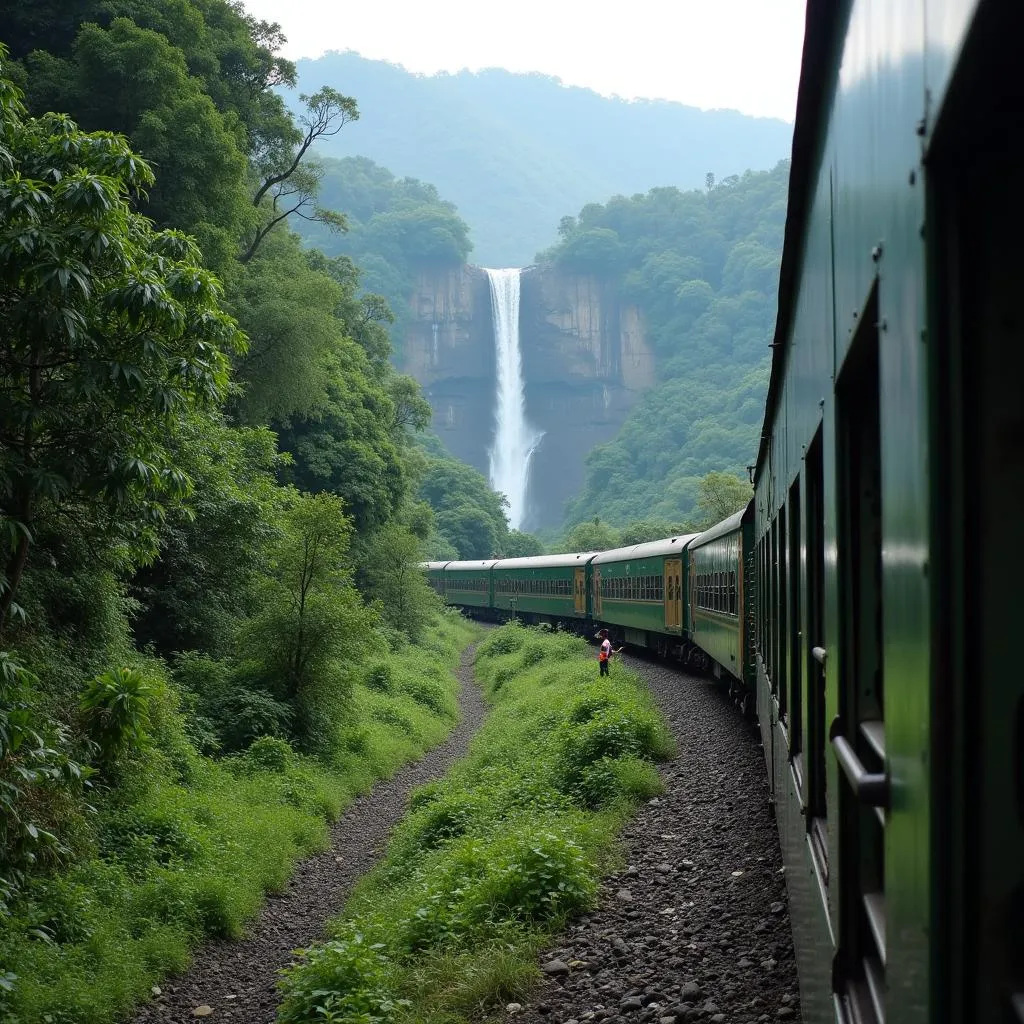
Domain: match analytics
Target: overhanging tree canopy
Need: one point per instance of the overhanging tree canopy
(111, 332)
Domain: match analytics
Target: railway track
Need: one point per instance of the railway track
(696, 926)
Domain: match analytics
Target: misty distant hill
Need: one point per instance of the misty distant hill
(517, 152)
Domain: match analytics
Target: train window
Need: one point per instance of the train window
(733, 606)
(859, 666)
(796, 573)
(772, 607)
(814, 671)
(781, 634)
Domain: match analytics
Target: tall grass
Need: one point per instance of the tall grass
(500, 854)
(186, 848)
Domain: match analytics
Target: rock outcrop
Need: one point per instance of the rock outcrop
(586, 362)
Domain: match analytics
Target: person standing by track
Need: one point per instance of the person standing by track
(605, 651)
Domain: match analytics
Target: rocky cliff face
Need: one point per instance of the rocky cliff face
(585, 364)
(449, 349)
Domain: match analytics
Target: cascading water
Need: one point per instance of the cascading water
(515, 440)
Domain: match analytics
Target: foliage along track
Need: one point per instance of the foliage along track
(236, 981)
(696, 926)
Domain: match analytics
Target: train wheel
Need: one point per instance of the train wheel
(748, 705)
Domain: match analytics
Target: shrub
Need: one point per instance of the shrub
(388, 714)
(380, 677)
(444, 818)
(428, 692)
(141, 836)
(268, 754)
(34, 765)
(533, 653)
(506, 639)
(426, 794)
(537, 874)
(342, 981)
(116, 705)
(246, 715)
(609, 780)
(612, 732)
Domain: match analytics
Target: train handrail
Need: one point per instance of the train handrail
(870, 788)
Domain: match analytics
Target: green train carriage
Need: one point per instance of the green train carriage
(468, 583)
(888, 496)
(640, 590)
(720, 602)
(543, 587)
(435, 576)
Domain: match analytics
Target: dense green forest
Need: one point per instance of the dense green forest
(703, 268)
(394, 227)
(212, 486)
(515, 152)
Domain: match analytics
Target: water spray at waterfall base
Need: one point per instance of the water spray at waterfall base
(514, 439)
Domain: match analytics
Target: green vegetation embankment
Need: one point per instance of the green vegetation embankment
(182, 847)
(499, 855)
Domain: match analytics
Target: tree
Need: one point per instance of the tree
(640, 531)
(311, 627)
(395, 581)
(112, 333)
(720, 495)
(132, 80)
(591, 536)
(214, 546)
(521, 545)
(292, 187)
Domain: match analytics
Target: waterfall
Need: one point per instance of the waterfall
(515, 440)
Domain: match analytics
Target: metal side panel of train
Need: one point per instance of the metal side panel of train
(718, 601)
(435, 576)
(553, 586)
(888, 492)
(641, 589)
(469, 583)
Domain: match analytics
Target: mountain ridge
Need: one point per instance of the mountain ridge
(516, 152)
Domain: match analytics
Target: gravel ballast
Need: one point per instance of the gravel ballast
(696, 928)
(236, 981)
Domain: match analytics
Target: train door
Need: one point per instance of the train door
(673, 593)
(977, 324)
(580, 591)
(598, 608)
(857, 732)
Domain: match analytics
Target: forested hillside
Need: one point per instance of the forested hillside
(515, 152)
(212, 487)
(703, 267)
(394, 226)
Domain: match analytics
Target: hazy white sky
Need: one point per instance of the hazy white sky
(742, 54)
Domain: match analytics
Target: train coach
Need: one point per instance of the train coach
(550, 588)
(640, 592)
(888, 489)
(720, 609)
(868, 597)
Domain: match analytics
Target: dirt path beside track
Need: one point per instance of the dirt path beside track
(237, 980)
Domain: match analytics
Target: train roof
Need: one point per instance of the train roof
(469, 565)
(725, 527)
(823, 27)
(433, 565)
(546, 561)
(649, 549)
